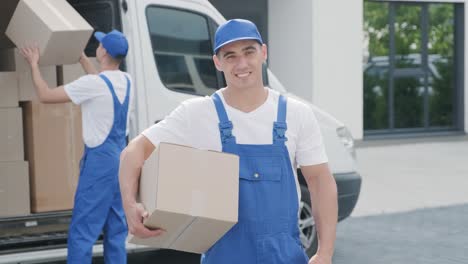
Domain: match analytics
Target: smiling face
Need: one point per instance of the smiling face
(241, 61)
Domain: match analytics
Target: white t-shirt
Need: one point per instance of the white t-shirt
(97, 107)
(195, 123)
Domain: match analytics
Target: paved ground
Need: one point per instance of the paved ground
(403, 175)
(413, 206)
(423, 236)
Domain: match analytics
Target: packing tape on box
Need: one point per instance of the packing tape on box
(170, 242)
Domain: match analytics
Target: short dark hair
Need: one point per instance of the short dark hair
(117, 60)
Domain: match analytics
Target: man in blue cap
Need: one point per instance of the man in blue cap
(105, 97)
(271, 134)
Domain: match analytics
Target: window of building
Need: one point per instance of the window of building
(412, 69)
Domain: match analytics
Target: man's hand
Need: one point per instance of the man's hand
(324, 197)
(31, 54)
(320, 259)
(132, 159)
(87, 65)
(136, 214)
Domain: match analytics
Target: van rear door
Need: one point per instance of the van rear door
(102, 15)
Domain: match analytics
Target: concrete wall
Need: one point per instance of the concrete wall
(316, 52)
(290, 45)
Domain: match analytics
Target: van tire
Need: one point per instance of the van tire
(307, 229)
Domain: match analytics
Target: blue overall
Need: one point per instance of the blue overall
(267, 230)
(98, 204)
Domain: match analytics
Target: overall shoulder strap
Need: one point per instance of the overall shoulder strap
(109, 85)
(225, 126)
(280, 126)
(127, 93)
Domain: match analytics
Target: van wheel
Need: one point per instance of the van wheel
(308, 233)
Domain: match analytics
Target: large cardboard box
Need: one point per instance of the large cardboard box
(6, 12)
(58, 29)
(26, 89)
(192, 194)
(14, 188)
(12, 60)
(74, 71)
(11, 134)
(8, 89)
(53, 140)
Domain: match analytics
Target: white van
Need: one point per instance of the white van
(170, 61)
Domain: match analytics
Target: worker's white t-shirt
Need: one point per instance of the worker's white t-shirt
(195, 123)
(97, 106)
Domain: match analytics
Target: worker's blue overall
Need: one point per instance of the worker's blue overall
(98, 203)
(267, 230)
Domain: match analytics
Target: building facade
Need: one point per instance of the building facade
(384, 68)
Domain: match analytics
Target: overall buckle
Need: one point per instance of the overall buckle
(225, 129)
(279, 131)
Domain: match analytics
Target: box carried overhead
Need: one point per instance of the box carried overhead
(59, 31)
(192, 194)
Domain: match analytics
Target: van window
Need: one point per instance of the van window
(182, 48)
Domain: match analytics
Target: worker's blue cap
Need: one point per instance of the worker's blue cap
(234, 30)
(114, 42)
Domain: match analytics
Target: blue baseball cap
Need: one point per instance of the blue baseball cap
(114, 42)
(234, 30)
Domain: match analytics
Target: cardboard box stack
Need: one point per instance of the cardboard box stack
(14, 180)
(40, 145)
(53, 148)
(192, 194)
(14, 188)
(12, 60)
(74, 71)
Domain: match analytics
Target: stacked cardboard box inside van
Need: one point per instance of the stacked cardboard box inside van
(40, 145)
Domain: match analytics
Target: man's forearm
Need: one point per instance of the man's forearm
(40, 85)
(325, 211)
(131, 161)
(129, 175)
(88, 66)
